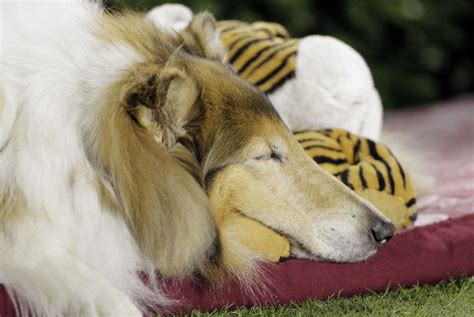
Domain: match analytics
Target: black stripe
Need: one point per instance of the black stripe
(355, 152)
(254, 57)
(307, 140)
(410, 203)
(310, 147)
(237, 40)
(280, 82)
(302, 131)
(241, 50)
(277, 34)
(259, 53)
(413, 217)
(373, 152)
(269, 57)
(402, 172)
(362, 177)
(345, 178)
(263, 30)
(327, 132)
(282, 35)
(229, 28)
(276, 70)
(379, 178)
(325, 159)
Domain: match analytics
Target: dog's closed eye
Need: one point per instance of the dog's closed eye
(270, 156)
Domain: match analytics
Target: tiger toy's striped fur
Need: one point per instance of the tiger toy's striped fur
(262, 52)
(367, 167)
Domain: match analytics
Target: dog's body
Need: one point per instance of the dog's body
(110, 135)
(51, 210)
(65, 246)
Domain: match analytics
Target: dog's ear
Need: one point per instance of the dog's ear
(163, 102)
(205, 36)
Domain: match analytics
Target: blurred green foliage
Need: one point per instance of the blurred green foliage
(419, 51)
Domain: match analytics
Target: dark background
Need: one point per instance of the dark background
(418, 51)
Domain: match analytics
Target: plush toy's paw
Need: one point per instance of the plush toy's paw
(262, 240)
(256, 237)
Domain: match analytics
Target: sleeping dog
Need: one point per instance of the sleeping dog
(118, 145)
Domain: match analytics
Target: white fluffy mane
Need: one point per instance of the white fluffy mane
(52, 73)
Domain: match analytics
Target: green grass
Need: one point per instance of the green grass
(454, 298)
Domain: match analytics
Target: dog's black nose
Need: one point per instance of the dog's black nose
(383, 231)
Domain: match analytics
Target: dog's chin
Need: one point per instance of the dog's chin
(336, 254)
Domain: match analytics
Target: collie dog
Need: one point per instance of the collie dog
(120, 148)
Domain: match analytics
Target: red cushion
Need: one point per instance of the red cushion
(425, 255)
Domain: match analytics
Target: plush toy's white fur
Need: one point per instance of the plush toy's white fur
(333, 87)
(83, 261)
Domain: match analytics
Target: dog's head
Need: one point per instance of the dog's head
(252, 164)
(246, 158)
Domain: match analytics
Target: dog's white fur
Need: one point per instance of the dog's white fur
(52, 72)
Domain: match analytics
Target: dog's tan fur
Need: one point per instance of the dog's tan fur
(181, 124)
(165, 208)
